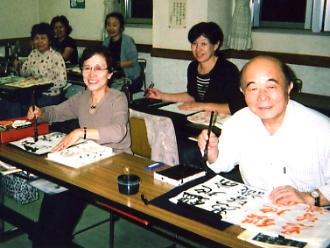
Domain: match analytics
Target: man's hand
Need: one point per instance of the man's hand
(212, 147)
(287, 195)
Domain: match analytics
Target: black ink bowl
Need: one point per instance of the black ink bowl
(128, 184)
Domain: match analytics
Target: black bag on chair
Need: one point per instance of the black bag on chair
(17, 187)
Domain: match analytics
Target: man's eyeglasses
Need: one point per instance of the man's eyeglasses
(96, 69)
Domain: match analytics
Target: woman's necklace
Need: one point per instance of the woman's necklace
(94, 102)
(92, 107)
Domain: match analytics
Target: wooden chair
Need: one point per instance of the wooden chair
(139, 138)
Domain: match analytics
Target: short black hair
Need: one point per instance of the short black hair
(118, 16)
(209, 30)
(91, 51)
(62, 19)
(41, 28)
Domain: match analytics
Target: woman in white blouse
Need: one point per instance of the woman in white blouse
(44, 62)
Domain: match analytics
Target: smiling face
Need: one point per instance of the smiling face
(114, 28)
(95, 73)
(266, 90)
(41, 42)
(203, 50)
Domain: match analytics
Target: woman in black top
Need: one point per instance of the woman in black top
(213, 82)
(213, 85)
(62, 42)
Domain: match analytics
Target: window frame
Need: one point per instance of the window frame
(313, 17)
(125, 6)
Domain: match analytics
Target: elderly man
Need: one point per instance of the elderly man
(279, 144)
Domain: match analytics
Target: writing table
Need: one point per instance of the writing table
(99, 182)
(183, 128)
(23, 94)
(74, 76)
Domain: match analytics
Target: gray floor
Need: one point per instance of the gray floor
(127, 234)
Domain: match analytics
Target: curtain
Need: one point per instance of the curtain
(317, 16)
(111, 5)
(239, 37)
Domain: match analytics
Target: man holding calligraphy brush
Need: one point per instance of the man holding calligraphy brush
(279, 144)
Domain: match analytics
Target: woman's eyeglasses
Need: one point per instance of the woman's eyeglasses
(96, 69)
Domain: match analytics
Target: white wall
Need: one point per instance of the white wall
(173, 78)
(175, 38)
(315, 79)
(296, 43)
(87, 23)
(215, 7)
(17, 17)
(170, 75)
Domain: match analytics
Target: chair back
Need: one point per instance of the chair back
(143, 64)
(140, 145)
(297, 85)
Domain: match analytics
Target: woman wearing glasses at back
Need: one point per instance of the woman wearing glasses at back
(103, 117)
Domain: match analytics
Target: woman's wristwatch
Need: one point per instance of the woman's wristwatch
(316, 196)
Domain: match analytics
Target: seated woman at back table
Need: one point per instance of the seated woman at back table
(103, 117)
(213, 82)
(42, 63)
(122, 50)
(62, 42)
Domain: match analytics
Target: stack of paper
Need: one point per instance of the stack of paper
(174, 107)
(203, 118)
(44, 144)
(28, 82)
(179, 174)
(10, 79)
(251, 209)
(6, 169)
(81, 154)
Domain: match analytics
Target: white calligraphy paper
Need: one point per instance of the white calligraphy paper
(251, 209)
(82, 154)
(43, 145)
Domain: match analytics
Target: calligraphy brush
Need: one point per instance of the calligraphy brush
(212, 121)
(35, 124)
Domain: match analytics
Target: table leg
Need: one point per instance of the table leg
(111, 230)
(2, 224)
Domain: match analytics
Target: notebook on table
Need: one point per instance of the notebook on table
(179, 174)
